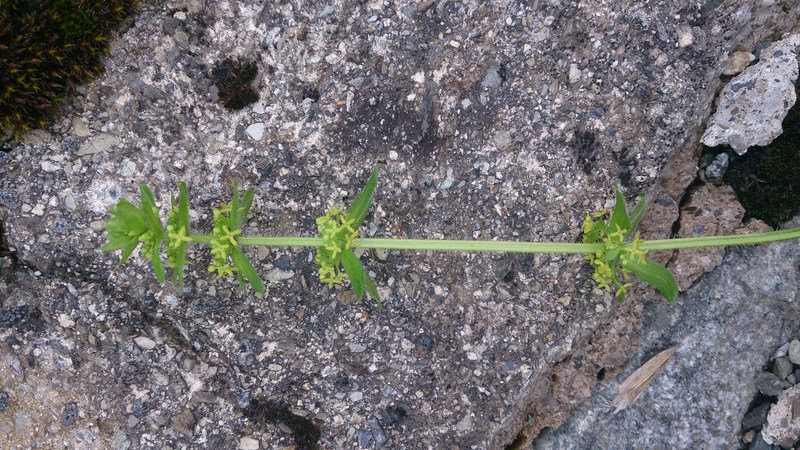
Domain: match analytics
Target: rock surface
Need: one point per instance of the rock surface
(726, 326)
(495, 119)
(755, 102)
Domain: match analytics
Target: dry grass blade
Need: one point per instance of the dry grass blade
(633, 386)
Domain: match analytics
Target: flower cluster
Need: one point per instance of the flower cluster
(338, 233)
(223, 242)
(619, 257)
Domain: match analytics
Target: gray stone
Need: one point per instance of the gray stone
(493, 78)
(782, 368)
(754, 103)
(69, 415)
(79, 128)
(756, 418)
(768, 384)
(101, 143)
(378, 433)
(717, 168)
(737, 62)
(148, 91)
(120, 441)
(4, 401)
(181, 39)
(794, 351)
(145, 342)
(503, 140)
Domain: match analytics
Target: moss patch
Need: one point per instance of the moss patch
(47, 47)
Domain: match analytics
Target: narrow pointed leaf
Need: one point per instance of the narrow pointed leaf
(158, 266)
(636, 215)
(183, 223)
(355, 272)
(360, 206)
(657, 276)
(234, 216)
(245, 268)
(619, 218)
(247, 202)
(127, 251)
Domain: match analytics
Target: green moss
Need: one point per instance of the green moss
(767, 179)
(46, 48)
(234, 80)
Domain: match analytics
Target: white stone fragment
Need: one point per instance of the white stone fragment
(50, 167)
(574, 73)
(753, 104)
(685, 36)
(256, 131)
(783, 421)
(145, 342)
(65, 321)
(248, 443)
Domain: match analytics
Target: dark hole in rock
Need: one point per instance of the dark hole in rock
(766, 179)
(306, 433)
(517, 442)
(394, 415)
(234, 80)
(601, 374)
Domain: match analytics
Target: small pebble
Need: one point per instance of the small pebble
(794, 352)
(782, 368)
(757, 417)
(718, 167)
(768, 384)
(65, 321)
(356, 396)
(145, 342)
(256, 131)
(69, 415)
(248, 443)
(4, 396)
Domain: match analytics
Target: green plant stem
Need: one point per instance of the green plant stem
(722, 241)
(514, 247)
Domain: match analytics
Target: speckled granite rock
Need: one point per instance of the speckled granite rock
(754, 103)
(496, 119)
(726, 327)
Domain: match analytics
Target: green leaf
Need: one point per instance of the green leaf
(234, 214)
(245, 268)
(619, 218)
(183, 222)
(636, 215)
(128, 215)
(128, 250)
(360, 206)
(150, 212)
(158, 266)
(247, 202)
(355, 272)
(657, 276)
